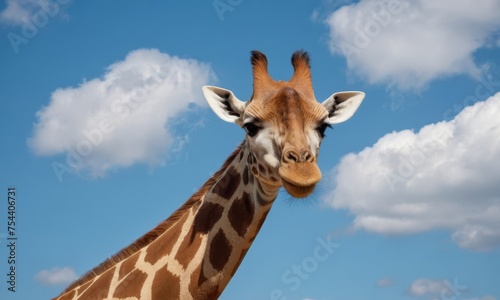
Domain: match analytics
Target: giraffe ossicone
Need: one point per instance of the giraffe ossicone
(194, 253)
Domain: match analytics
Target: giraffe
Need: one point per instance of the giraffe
(194, 253)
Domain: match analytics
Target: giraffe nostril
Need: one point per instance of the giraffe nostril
(291, 156)
(306, 156)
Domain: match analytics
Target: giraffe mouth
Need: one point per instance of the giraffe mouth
(299, 179)
(296, 190)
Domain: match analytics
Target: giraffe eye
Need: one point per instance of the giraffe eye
(322, 128)
(251, 129)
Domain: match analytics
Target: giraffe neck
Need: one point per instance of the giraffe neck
(228, 220)
(195, 256)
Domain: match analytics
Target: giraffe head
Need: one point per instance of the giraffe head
(284, 123)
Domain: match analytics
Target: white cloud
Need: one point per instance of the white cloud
(20, 12)
(385, 282)
(16, 11)
(122, 118)
(444, 176)
(435, 289)
(409, 43)
(56, 276)
(427, 287)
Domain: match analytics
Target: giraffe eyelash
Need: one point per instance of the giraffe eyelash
(251, 129)
(322, 128)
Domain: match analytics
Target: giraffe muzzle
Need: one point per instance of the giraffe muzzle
(299, 178)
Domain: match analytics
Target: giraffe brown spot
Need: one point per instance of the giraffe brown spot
(262, 170)
(201, 288)
(67, 296)
(228, 184)
(164, 243)
(128, 265)
(99, 288)
(189, 245)
(249, 159)
(212, 293)
(240, 214)
(84, 286)
(131, 285)
(220, 250)
(245, 175)
(198, 279)
(206, 217)
(254, 171)
(240, 259)
(160, 289)
(242, 153)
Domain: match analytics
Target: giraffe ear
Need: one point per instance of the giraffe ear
(225, 104)
(342, 106)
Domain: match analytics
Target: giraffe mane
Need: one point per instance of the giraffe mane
(155, 232)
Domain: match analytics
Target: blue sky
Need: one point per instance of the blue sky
(105, 132)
